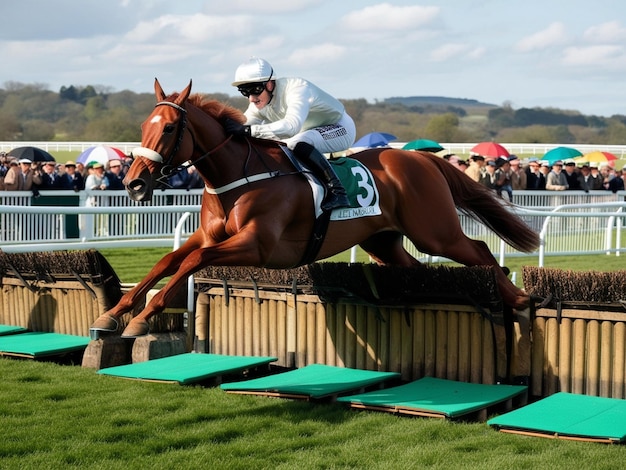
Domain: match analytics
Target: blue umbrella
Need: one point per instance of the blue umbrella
(374, 139)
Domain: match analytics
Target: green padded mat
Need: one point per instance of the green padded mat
(568, 416)
(39, 344)
(312, 381)
(186, 368)
(434, 397)
(11, 329)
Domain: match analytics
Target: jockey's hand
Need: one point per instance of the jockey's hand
(234, 128)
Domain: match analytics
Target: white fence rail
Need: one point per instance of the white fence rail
(570, 222)
(451, 147)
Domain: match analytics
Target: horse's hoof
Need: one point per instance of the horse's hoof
(105, 322)
(136, 328)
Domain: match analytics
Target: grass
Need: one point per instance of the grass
(60, 416)
(132, 265)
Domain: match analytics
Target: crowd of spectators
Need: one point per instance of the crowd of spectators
(25, 175)
(508, 174)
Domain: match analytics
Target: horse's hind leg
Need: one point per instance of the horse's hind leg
(470, 252)
(387, 248)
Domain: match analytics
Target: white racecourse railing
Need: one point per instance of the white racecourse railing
(569, 222)
(458, 148)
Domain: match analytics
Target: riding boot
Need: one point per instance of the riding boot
(335, 192)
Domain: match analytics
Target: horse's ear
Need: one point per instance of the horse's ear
(158, 91)
(183, 95)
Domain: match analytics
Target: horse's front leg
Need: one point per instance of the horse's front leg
(168, 265)
(243, 249)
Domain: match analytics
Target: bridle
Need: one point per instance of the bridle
(167, 169)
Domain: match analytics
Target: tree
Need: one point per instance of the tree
(442, 127)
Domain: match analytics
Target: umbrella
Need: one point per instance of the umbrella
(490, 149)
(34, 154)
(597, 157)
(561, 153)
(101, 154)
(374, 139)
(423, 144)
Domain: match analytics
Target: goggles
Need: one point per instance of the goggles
(252, 89)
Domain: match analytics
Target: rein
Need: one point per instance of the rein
(167, 170)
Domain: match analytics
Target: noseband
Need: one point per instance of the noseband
(167, 170)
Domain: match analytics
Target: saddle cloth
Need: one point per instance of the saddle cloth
(356, 179)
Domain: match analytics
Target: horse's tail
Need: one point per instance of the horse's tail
(482, 204)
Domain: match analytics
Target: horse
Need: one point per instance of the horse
(258, 210)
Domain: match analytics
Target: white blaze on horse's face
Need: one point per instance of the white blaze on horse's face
(155, 119)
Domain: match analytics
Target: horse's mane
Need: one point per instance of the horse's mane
(217, 109)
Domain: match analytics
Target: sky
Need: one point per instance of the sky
(569, 55)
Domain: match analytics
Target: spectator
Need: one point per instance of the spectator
(453, 160)
(72, 179)
(544, 167)
(606, 172)
(13, 180)
(179, 180)
(617, 183)
(596, 177)
(488, 178)
(30, 175)
(97, 179)
(115, 175)
(50, 178)
(196, 180)
(556, 180)
(571, 174)
(476, 167)
(585, 181)
(4, 168)
(535, 179)
(503, 177)
(518, 174)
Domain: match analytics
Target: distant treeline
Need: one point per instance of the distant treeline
(32, 112)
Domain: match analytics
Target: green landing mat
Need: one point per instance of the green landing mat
(35, 344)
(186, 368)
(433, 397)
(568, 416)
(312, 381)
(11, 329)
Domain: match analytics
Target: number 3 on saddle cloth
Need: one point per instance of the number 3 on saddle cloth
(362, 194)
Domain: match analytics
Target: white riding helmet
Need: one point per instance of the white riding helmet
(254, 70)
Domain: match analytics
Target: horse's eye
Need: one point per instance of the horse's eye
(168, 129)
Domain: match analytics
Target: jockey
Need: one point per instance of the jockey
(295, 111)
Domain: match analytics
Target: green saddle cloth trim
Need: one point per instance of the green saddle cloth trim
(358, 182)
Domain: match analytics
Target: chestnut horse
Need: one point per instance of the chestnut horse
(257, 210)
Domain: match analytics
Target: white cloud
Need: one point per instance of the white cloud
(456, 50)
(594, 56)
(390, 18)
(608, 33)
(192, 29)
(553, 35)
(324, 54)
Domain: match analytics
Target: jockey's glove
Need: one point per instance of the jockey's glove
(236, 129)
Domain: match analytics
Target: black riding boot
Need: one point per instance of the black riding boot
(336, 194)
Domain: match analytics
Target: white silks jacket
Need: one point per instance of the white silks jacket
(297, 105)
